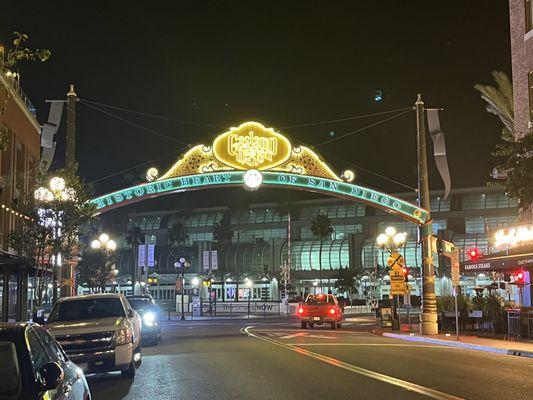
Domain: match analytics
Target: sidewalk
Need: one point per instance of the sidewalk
(498, 346)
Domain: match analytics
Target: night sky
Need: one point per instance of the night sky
(208, 65)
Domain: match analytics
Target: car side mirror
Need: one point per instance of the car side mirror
(131, 313)
(51, 375)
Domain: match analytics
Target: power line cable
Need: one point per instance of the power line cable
(372, 172)
(137, 166)
(332, 121)
(364, 128)
(134, 124)
(156, 116)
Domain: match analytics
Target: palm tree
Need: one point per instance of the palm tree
(223, 233)
(499, 101)
(177, 235)
(321, 228)
(134, 238)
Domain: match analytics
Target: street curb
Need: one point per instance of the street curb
(470, 346)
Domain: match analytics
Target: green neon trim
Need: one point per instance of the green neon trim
(345, 190)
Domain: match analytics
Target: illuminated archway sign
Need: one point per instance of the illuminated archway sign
(252, 155)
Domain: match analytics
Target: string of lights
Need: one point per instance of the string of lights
(14, 212)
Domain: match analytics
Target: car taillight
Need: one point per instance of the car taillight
(332, 311)
(301, 310)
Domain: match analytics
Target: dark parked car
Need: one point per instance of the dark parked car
(34, 366)
(150, 314)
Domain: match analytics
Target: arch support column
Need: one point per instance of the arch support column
(428, 317)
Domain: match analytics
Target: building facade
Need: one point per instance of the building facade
(521, 24)
(260, 246)
(19, 158)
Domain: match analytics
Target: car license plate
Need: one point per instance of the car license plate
(84, 367)
(316, 318)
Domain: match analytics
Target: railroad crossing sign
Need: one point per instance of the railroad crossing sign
(395, 261)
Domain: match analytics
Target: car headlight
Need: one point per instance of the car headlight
(123, 336)
(149, 318)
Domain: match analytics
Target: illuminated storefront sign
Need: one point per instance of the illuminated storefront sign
(513, 236)
(345, 190)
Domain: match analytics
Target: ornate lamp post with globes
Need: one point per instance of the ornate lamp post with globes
(108, 246)
(391, 241)
(48, 200)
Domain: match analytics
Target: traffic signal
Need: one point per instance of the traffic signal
(152, 280)
(474, 253)
(405, 272)
(206, 282)
(519, 278)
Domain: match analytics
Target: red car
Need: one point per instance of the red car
(320, 309)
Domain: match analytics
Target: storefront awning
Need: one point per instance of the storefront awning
(498, 263)
(14, 262)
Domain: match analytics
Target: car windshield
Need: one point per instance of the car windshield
(87, 309)
(319, 300)
(141, 304)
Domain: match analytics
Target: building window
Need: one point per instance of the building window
(529, 14)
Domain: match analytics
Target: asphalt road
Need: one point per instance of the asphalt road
(270, 359)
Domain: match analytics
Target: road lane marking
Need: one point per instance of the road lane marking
(367, 344)
(306, 335)
(434, 394)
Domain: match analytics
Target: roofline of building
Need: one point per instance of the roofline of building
(20, 103)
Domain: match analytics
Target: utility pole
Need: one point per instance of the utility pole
(428, 317)
(70, 154)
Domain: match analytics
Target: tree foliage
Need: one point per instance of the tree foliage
(514, 155)
(321, 228)
(38, 238)
(346, 280)
(223, 231)
(95, 269)
(20, 52)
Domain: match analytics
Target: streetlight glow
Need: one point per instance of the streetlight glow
(96, 244)
(382, 239)
(57, 184)
(399, 239)
(111, 245)
(104, 237)
(390, 231)
(195, 281)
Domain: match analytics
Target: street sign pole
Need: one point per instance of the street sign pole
(456, 313)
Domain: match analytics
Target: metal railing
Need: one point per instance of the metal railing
(12, 80)
(520, 324)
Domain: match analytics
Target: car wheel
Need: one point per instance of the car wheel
(333, 325)
(303, 324)
(312, 326)
(130, 372)
(339, 325)
(139, 351)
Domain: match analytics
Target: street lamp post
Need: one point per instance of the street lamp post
(108, 246)
(182, 263)
(391, 241)
(249, 284)
(56, 192)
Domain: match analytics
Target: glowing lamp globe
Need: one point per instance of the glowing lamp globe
(252, 179)
(96, 244)
(111, 245)
(390, 231)
(382, 239)
(104, 237)
(195, 281)
(399, 239)
(57, 184)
